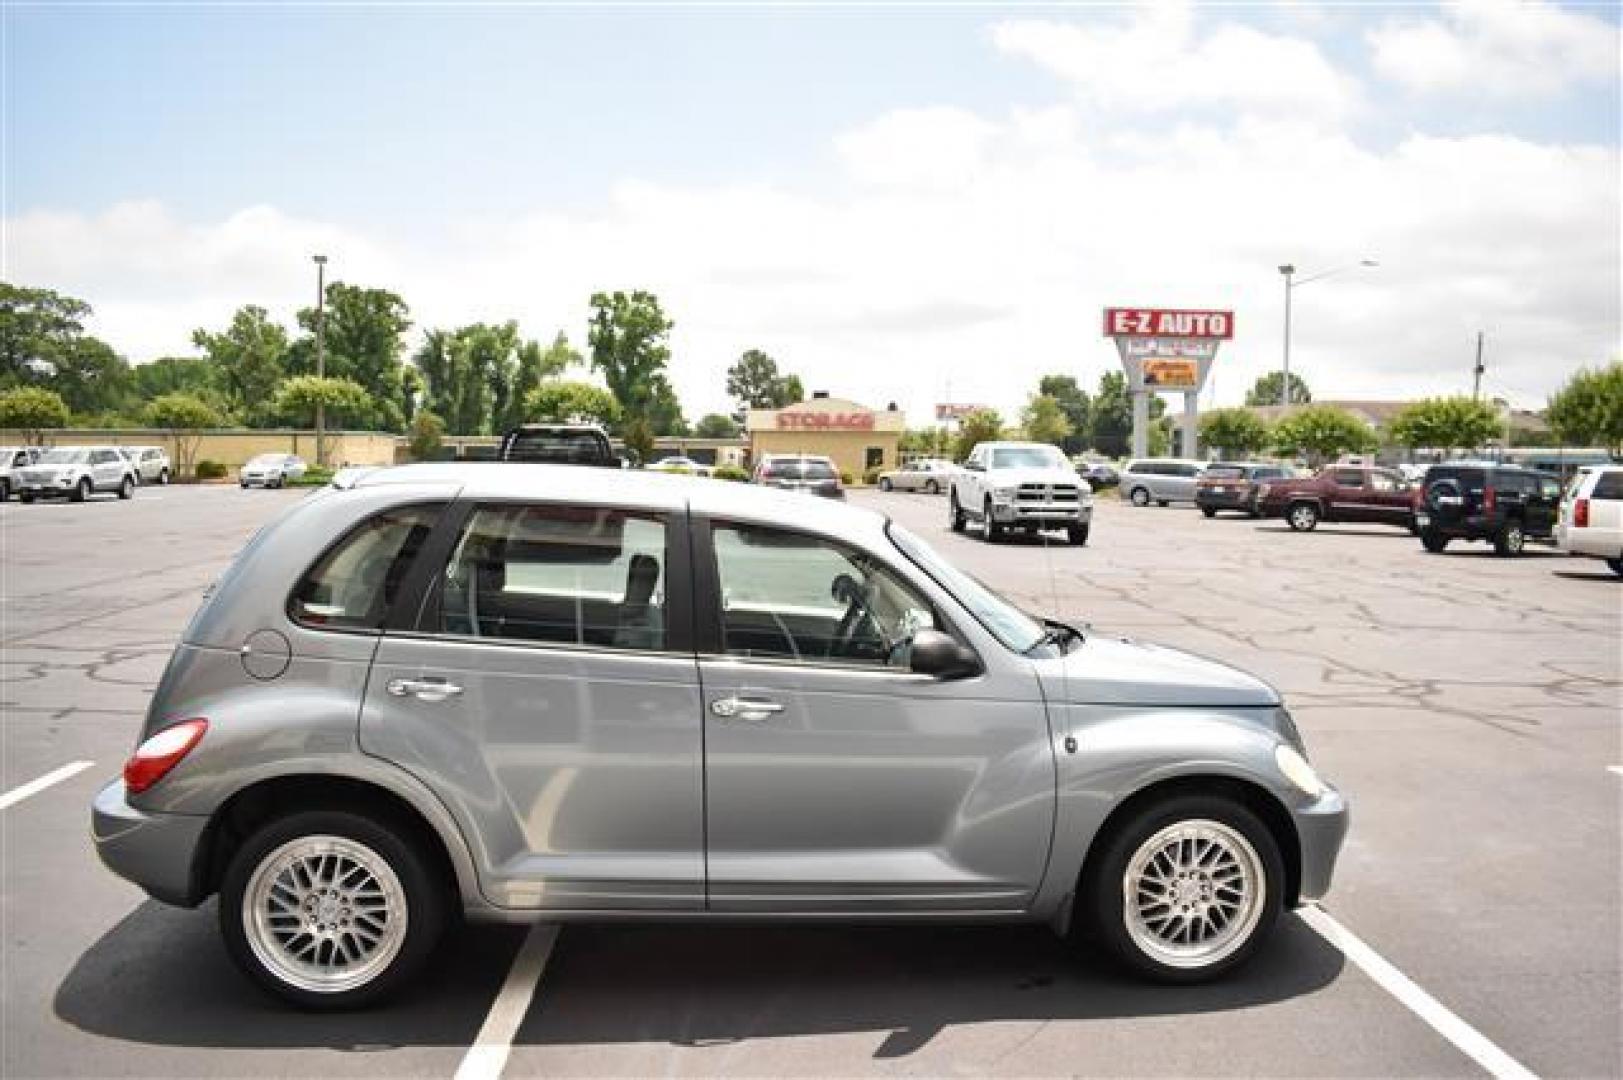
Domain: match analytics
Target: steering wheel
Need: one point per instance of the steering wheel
(856, 617)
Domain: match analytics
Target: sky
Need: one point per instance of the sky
(901, 203)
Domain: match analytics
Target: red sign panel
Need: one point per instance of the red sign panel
(825, 421)
(1162, 322)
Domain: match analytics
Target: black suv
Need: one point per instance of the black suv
(559, 444)
(1503, 504)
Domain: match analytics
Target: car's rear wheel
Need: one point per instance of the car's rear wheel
(1208, 511)
(1140, 496)
(1078, 535)
(25, 497)
(1510, 540)
(5, 490)
(1186, 889)
(932, 488)
(1433, 541)
(331, 909)
(81, 490)
(126, 488)
(884, 483)
(163, 477)
(1616, 565)
(1303, 517)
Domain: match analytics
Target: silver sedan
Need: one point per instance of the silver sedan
(929, 475)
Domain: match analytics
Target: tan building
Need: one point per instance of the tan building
(856, 437)
(232, 447)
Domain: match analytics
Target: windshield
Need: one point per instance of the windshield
(267, 459)
(65, 457)
(1038, 457)
(1013, 627)
(800, 470)
(1224, 472)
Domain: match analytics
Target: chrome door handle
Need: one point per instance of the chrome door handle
(743, 708)
(423, 689)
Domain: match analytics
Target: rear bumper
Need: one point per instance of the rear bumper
(158, 852)
(1321, 826)
(1589, 542)
(1228, 500)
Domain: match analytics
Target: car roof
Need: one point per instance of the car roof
(628, 487)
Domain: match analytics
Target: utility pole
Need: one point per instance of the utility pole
(1476, 382)
(321, 355)
(1285, 385)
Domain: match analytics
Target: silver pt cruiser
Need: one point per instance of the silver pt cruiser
(542, 693)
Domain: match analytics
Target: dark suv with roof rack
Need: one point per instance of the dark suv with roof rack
(560, 444)
(1505, 505)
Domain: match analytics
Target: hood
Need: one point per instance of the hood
(1118, 671)
(1032, 474)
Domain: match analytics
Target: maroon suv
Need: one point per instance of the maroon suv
(1352, 493)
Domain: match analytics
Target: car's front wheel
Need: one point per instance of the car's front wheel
(955, 513)
(126, 488)
(1303, 517)
(331, 909)
(1140, 497)
(884, 483)
(163, 477)
(932, 488)
(1616, 565)
(1185, 889)
(991, 531)
(1208, 511)
(1078, 534)
(1432, 541)
(81, 490)
(1510, 540)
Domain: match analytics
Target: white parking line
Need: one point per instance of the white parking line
(1467, 1039)
(487, 1057)
(34, 787)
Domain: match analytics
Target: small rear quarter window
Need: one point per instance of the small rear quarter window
(352, 585)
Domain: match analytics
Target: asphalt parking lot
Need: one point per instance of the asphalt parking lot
(1468, 705)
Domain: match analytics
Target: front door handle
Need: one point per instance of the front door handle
(423, 689)
(745, 708)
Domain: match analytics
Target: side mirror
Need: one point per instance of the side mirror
(940, 656)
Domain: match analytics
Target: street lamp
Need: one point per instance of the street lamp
(321, 354)
(1292, 283)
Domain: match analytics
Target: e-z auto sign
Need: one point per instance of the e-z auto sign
(1162, 322)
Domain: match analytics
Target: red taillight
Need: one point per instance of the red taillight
(154, 758)
(1580, 514)
(1489, 498)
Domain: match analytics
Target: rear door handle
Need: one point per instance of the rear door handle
(423, 689)
(745, 708)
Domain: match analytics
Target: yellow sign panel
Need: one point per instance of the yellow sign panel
(1171, 374)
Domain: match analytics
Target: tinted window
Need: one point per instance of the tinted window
(557, 447)
(1186, 470)
(1348, 478)
(792, 596)
(801, 470)
(1609, 486)
(356, 581)
(1466, 477)
(565, 575)
(1550, 488)
(1225, 472)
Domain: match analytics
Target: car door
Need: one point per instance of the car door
(548, 692)
(1390, 501)
(837, 780)
(106, 469)
(1346, 495)
(1544, 504)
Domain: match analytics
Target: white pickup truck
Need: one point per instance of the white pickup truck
(1026, 486)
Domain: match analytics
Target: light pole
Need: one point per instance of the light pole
(321, 354)
(1291, 285)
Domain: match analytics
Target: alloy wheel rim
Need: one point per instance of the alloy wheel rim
(325, 913)
(1193, 893)
(1301, 517)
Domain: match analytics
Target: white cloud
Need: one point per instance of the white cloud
(1498, 48)
(1155, 60)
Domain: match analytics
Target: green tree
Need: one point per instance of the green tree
(185, 417)
(343, 400)
(1073, 400)
(425, 435)
(1321, 433)
(471, 374)
(1588, 410)
(1110, 430)
(32, 410)
(639, 439)
(364, 340)
(1044, 420)
(193, 375)
(36, 325)
(1265, 391)
(1234, 432)
(717, 426)
(249, 358)
(571, 402)
(982, 425)
(931, 441)
(1445, 424)
(628, 341)
(535, 366)
(755, 383)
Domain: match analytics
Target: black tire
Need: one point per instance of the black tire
(991, 531)
(1433, 541)
(1160, 502)
(1078, 535)
(5, 490)
(1100, 913)
(932, 488)
(884, 483)
(126, 488)
(1616, 565)
(426, 903)
(163, 477)
(1139, 497)
(1208, 511)
(1302, 516)
(243, 484)
(1510, 540)
(955, 513)
(25, 498)
(82, 490)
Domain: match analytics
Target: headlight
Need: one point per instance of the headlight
(1004, 492)
(1296, 769)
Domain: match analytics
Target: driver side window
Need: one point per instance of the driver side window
(786, 595)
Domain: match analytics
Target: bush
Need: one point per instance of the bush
(872, 475)
(314, 476)
(730, 472)
(845, 478)
(211, 470)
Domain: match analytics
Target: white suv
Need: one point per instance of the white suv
(1591, 521)
(1025, 486)
(76, 472)
(151, 463)
(13, 458)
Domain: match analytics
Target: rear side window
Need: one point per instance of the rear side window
(1348, 478)
(1609, 486)
(356, 581)
(557, 448)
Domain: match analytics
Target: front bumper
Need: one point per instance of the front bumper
(1321, 826)
(156, 851)
(1042, 515)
